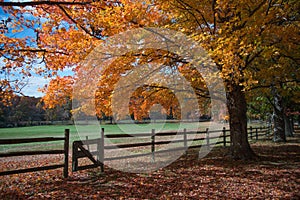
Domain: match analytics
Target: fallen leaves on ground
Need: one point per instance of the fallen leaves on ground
(275, 175)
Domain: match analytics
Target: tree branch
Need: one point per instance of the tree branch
(272, 84)
(256, 8)
(214, 15)
(250, 59)
(36, 3)
(269, 6)
(197, 11)
(41, 50)
(73, 20)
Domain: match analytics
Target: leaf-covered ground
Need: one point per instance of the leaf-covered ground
(275, 175)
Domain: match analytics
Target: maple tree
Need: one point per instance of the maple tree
(240, 36)
(149, 86)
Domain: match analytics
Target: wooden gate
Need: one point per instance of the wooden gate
(81, 150)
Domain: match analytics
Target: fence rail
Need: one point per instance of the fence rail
(207, 137)
(64, 151)
(81, 148)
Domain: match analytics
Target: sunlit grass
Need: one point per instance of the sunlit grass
(93, 131)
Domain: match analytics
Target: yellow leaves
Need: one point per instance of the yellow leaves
(58, 91)
(17, 30)
(240, 33)
(68, 33)
(62, 30)
(6, 92)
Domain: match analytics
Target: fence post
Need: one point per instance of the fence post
(66, 149)
(100, 148)
(185, 138)
(74, 157)
(256, 133)
(251, 133)
(269, 129)
(88, 146)
(153, 144)
(224, 136)
(261, 131)
(207, 138)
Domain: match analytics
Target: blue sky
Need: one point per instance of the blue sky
(34, 82)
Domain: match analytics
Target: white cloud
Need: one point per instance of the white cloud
(34, 83)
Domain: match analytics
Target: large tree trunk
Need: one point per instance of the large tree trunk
(288, 126)
(237, 107)
(278, 117)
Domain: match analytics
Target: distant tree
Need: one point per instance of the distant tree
(59, 112)
(22, 110)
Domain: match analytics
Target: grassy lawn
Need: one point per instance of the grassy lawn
(58, 130)
(92, 131)
(35, 131)
(85, 130)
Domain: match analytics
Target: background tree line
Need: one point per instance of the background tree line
(29, 111)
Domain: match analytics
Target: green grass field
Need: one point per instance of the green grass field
(92, 131)
(58, 130)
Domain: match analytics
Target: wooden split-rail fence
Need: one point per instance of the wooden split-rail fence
(81, 149)
(64, 151)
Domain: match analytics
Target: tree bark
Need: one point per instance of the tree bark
(288, 126)
(278, 117)
(237, 108)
